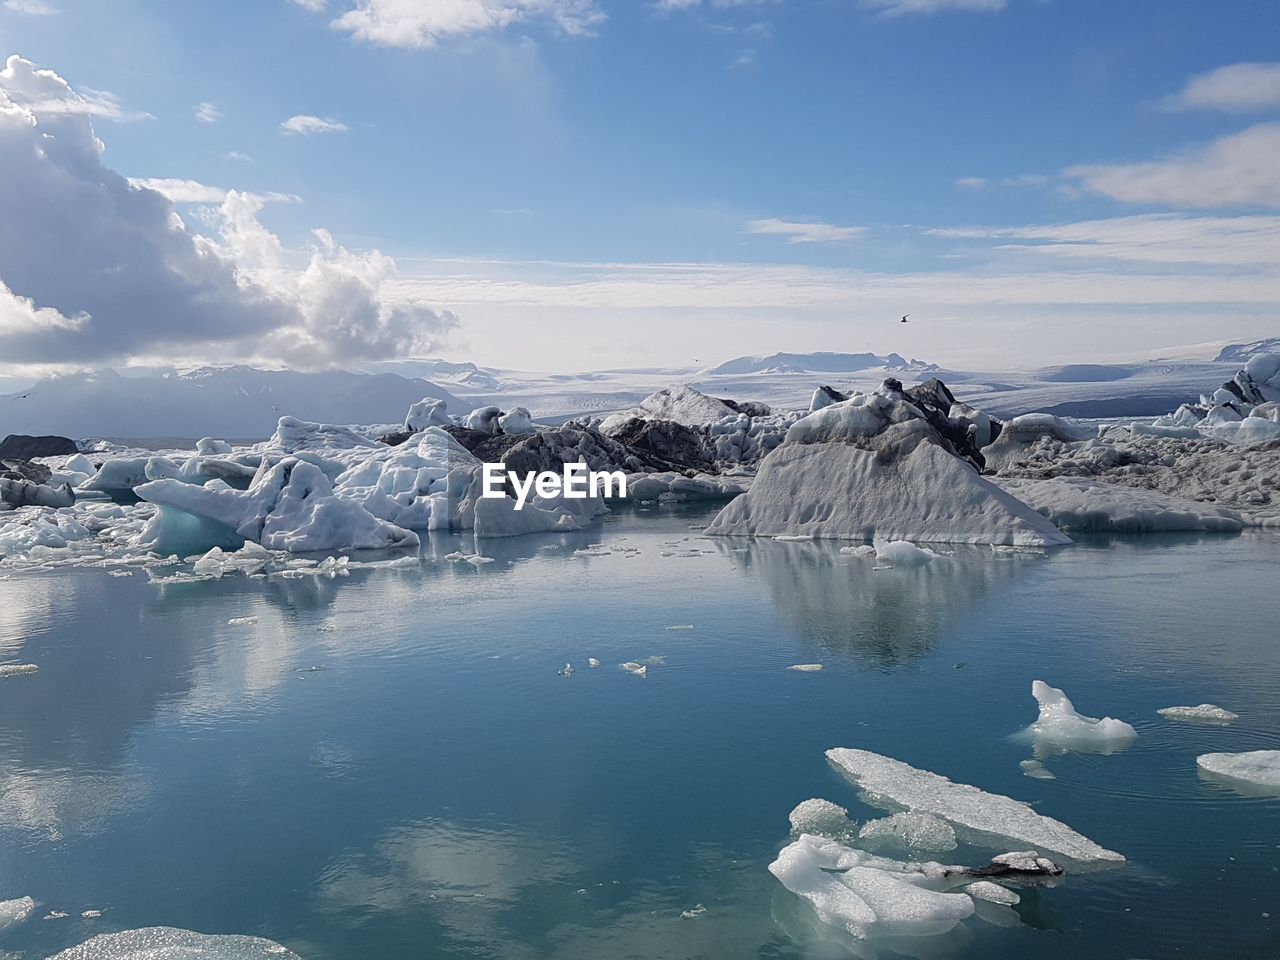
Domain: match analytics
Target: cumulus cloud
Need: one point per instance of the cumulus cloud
(305, 125)
(315, 6)
(798, 231)
(95, 268)
(897, 8)
(1239, 170)
(420, 25)
(1238, 88)
(193, 191)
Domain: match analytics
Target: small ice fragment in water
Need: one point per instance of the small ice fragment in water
(805, 667)
(566, 670)
(1258, 768)
(592, 662)
(903, 553)
(1061, 726)
(697, 911)
(861, 550)
(992, 893)
(242, 621)
(962, 805)
(56, 915)
(91, 914)
(17, 669)
(1205, 713)
(639, 669)
(681, 626)
(917, 832)
(1036, 770)
(822, 818)
(15, 911)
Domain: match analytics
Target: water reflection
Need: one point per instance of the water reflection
(855, 607)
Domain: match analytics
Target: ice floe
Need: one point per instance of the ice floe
(1059, 725)
(169, 943)
(805, 667)
(13, 912)
(1088, 505)
(17, 669)
(1204, 713)
(902, 553)
(1258, 769)
(989, 815)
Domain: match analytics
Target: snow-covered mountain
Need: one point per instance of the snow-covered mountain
(233, 401)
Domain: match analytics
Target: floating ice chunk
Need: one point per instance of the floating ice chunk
(639, 669)
(1036, 770)
(991, 814)
(169, 943)
(1255, 768)
(1026, 861)
(17, 669)
(805, 667)
(1060, 725)
(242, 621)
(56, 915)
(15, 911)
(592, 662)
(566, 670)
(681, 626)
(696, 911)
(903, 553)
(916, 832)
(861, 550)
(866, 900)
(90, 914)
(1205, 713)
(992, 893)
(822, 818)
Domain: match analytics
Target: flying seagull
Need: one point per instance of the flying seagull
(904, 317)
(23, 396)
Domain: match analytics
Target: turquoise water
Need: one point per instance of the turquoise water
(388, 765)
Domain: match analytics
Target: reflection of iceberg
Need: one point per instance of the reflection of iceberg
(848, 607)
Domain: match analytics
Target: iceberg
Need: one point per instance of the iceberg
(989, 815)
(428, 412)
(1089, 505)
(1257, 769)
(290, 506)
(169, 943)
(837, 479)
(903, 553)
(1059, 724)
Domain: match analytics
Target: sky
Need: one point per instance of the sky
(566, 185)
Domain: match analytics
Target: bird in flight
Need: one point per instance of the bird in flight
(23, 396)
(904, 317)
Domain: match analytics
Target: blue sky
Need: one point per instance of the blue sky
(576, 183)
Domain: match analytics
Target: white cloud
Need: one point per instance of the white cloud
(315, 6)
(1249, 241)
(1239, 170)
(305, 125)
(896, 8)
(797, 231)
(32, 8)
(94, 268)
(1239, 88)
(50, 99)
(421, 24)
(207, 113)
(179, 190)
(984, 183)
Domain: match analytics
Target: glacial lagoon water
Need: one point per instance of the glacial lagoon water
(387, 765)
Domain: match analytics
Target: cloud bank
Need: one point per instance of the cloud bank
(95, 268)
